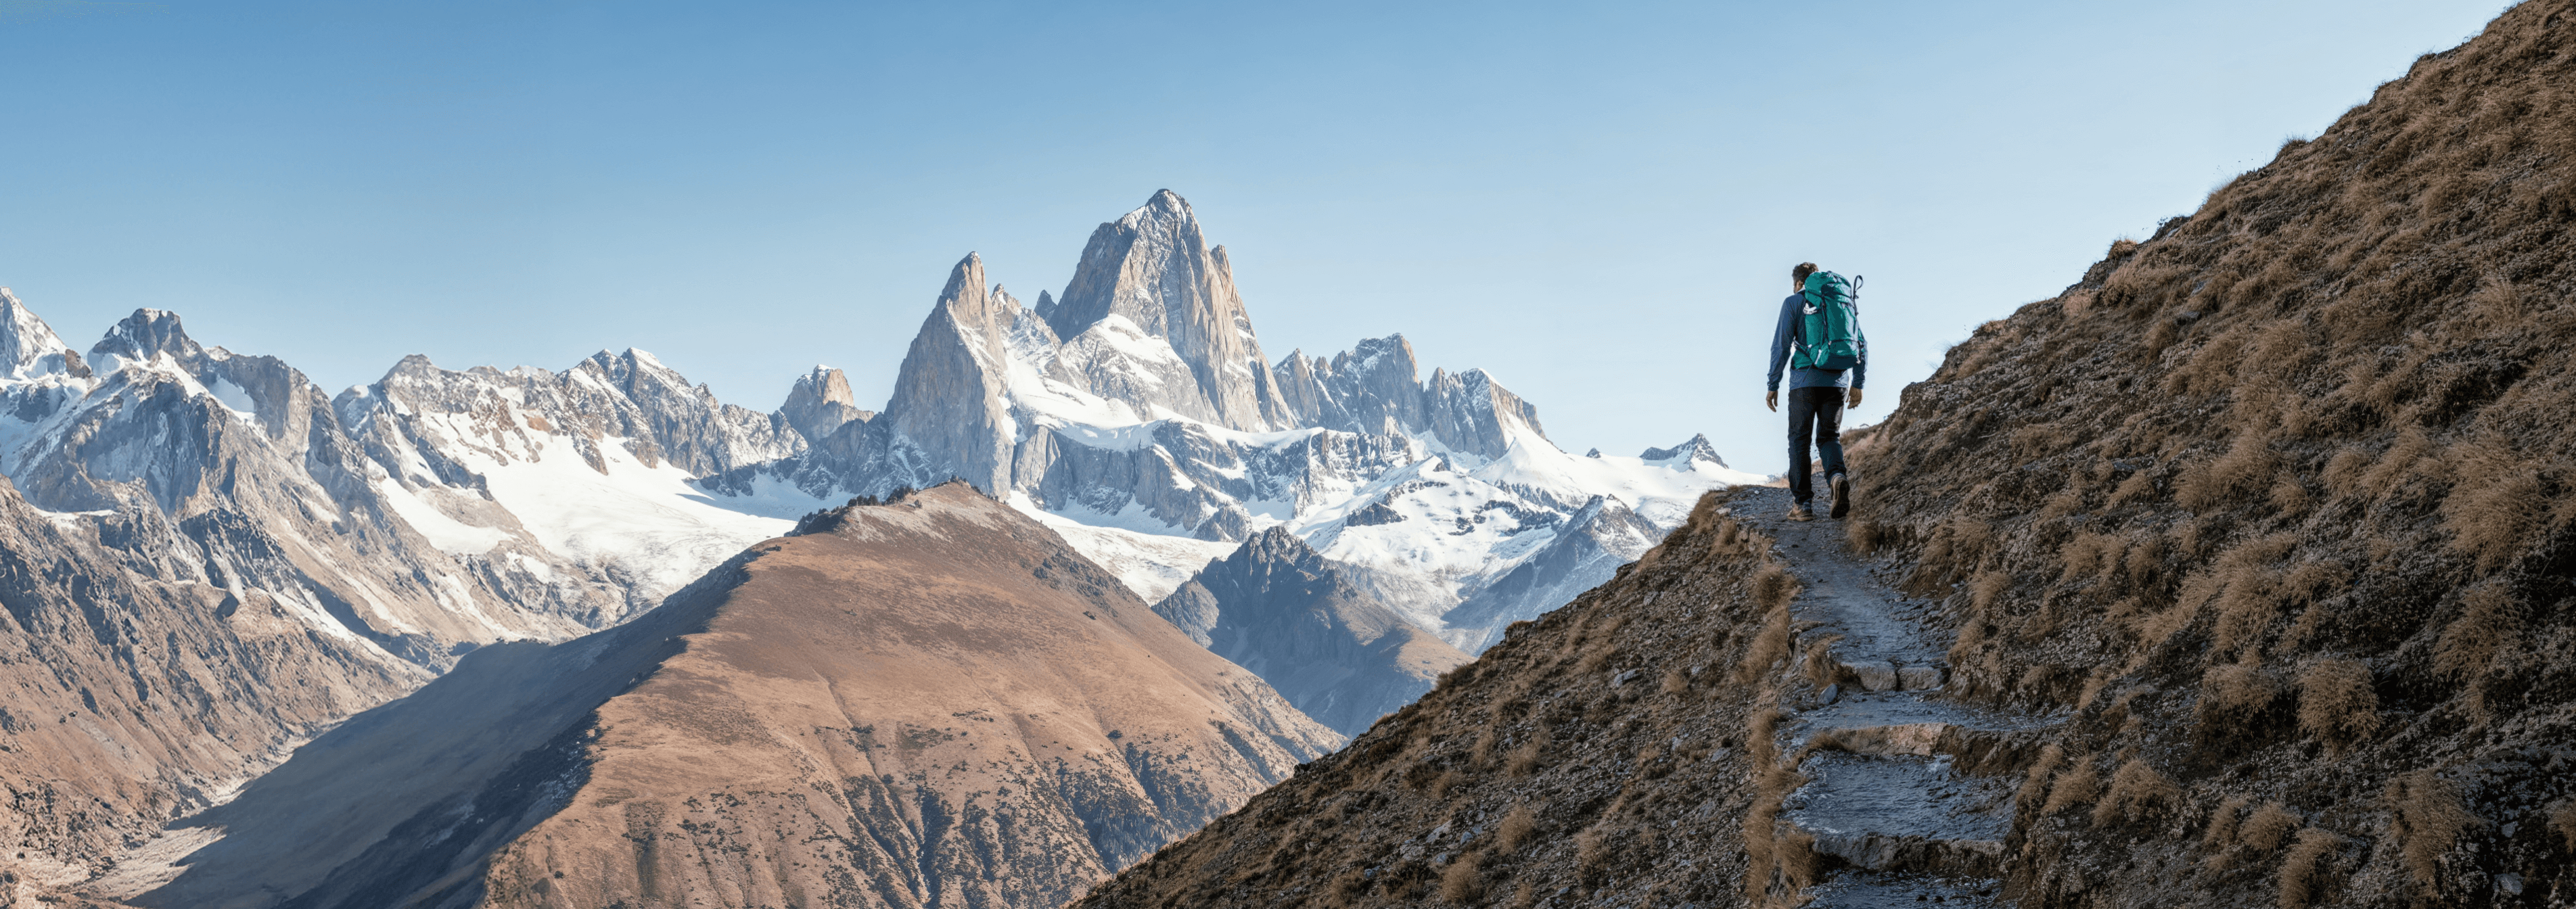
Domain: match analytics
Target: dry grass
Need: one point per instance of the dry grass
(2305, 870)
(2490, 623)
(2075, 785)
(1529, 757)
(2222, 827)
(2429, 818)
(1516, 828)
(1770, 647)
(1462, 883)
(2137, 793)
(2337, 704)
(2562, 820)
(1821, 667)
(2232, 693)
(2034, 784)
(1676, 682)
(1591, 854)
(2267, 826)
(2496, 502)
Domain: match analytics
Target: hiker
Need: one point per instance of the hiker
(1819, 339)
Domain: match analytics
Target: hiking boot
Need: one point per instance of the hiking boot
(1841, 484)
(1799, 512)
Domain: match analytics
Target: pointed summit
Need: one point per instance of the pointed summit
(28, 347)
(948, 396)
(1685, 455)
(1150, 273)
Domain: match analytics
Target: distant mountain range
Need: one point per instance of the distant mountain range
(351, 547)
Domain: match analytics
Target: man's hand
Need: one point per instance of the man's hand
(1855, 397)
(1772, 400)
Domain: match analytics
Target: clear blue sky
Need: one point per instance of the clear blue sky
(1596, 202)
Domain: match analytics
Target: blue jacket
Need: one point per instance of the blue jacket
(1786, 336)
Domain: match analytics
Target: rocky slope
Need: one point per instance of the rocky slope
(2242, 567)
(790, 730)
(139, 688)
(1286, 613)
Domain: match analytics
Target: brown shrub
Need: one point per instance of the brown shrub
(1770, 646)
(2345, 471)
(2137, 792)
(1864, 536)
(2264, 830)
(1597, 658)
(2430, 816)
(2073, 786)
(1516, 828)
(2562, 818)
(1448, 781)
(2336, 702)
(1529, 757)
(2222, 826)
(2490, 623)
(2139, 487)
(1676, 682)
(1592, 854)
(1773, 586)
(1462, 883)
(2493, 509)
(2034, 785)
(2247, 464)
(1821, 667)
(2305, 870)
(2231, 693)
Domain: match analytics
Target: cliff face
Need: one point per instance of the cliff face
(931, 702)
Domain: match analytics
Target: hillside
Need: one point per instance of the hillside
(922, 703)
(2244, 566)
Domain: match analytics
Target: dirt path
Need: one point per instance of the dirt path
(1909, 796)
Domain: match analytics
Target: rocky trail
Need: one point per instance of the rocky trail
(1907, 797)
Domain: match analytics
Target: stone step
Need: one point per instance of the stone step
(1901, 812)
(1876, 890)
(1889, 675)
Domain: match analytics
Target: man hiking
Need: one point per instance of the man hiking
(1819, 338)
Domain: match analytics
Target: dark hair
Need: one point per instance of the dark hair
(1800, 273)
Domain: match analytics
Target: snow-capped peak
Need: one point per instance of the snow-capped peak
(28, 347)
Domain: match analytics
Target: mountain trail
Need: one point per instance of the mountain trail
(1905, 798)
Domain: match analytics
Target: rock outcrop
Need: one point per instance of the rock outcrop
(821, 403)
(1281, 610)
(927, 702)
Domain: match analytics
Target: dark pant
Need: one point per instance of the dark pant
(1816, 411)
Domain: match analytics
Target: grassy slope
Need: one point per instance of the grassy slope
(2282, 502)
(2278, 506)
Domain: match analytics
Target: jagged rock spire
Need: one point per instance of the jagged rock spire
(1153, 269)
(949, 397)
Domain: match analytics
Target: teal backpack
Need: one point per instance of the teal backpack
(1829, 333)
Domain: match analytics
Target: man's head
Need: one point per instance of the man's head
(1798, 275)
